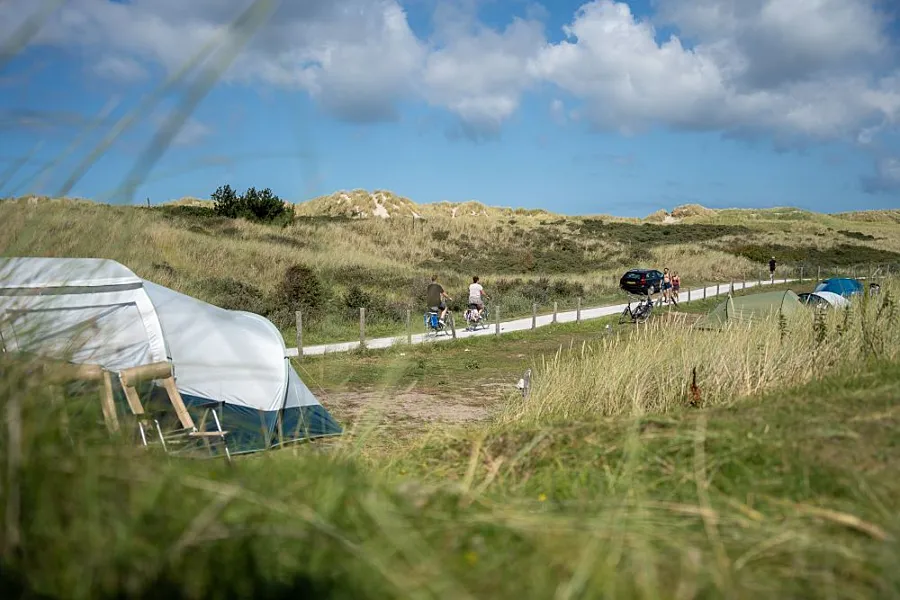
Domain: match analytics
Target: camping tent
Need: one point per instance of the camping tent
(97, 311)
(840, 285)
(829, 299)
(747, 309)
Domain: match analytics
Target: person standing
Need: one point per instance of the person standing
(772, 270)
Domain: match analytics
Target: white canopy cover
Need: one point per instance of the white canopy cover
(89, 310)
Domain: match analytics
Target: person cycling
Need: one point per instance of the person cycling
(476, 297)
(435, 296)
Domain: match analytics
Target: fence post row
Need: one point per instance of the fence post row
(882, 272)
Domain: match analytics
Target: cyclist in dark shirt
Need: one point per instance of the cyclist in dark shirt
(436, 295)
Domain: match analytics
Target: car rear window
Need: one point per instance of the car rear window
(632, 275)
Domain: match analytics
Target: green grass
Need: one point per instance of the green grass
(794, 494)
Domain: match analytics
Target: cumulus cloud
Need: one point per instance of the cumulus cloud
(807, 69)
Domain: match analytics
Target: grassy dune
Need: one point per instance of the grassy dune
(523, 257)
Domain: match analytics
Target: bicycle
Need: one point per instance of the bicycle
(640, 313)
(473, 320)
(433, 325)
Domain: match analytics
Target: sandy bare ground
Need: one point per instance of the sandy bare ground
(417, 408)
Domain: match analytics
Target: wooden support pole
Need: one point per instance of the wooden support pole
(578, 310)
(818, 273)
(555, 310)
(299, 316)
(109, 406)
(534, 316)
(497, 317)
(452, 326)
(704, 292)
(408, 329)
(362, 327)
(801, 274)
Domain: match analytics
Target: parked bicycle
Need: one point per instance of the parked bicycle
(639, 313)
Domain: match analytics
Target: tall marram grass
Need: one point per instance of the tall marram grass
(651, 369)
(89, 517)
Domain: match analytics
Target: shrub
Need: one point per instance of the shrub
(301, 289)
(231, 294)
(227, 202)
(254, 205)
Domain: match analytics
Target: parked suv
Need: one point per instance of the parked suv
(641, 281)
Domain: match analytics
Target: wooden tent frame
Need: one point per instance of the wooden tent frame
(162, 371)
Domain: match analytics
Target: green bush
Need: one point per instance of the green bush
(254, 205)
(302, 289)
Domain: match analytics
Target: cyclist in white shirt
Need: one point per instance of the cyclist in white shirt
(476, 296)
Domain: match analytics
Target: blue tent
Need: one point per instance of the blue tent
(841, 285)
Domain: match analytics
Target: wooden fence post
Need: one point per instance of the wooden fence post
(362, 327)
(497, 315)
(818, 273)
(578, 310)
(801, 274)
(299, 317)
(555, 310)
(689, 294)
(408, 328)
(704, 291)
(717, 289)
(534, 316)
(452, 326)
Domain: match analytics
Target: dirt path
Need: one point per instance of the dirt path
(415, 409)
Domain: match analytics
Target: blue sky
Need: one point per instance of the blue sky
(597, 107)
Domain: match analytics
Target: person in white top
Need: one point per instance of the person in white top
(476, 296)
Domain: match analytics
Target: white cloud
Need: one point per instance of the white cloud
(807, 68)
(119, 69)
(481, 75)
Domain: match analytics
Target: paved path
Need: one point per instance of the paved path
(523, 324)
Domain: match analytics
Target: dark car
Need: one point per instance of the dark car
(641, 281)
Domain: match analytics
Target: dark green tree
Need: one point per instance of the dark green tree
(227, 202)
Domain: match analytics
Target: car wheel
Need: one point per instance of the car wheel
(651, 290)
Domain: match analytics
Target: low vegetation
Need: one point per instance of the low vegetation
(522, 256)
(770, 485)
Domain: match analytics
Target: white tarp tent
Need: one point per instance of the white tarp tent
(97, 311)
(825, 298)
